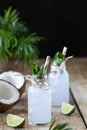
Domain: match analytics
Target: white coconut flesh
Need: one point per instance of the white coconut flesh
(8, 93)
(15, 78)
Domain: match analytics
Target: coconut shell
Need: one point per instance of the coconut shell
(6, 107)
(23, 88)
(6, 91)
(7, 76)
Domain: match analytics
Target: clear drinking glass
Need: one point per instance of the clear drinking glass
(39, 102)
(58, 80)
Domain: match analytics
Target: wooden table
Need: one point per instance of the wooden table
(77, 68)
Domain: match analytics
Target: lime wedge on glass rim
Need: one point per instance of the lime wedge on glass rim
(67, 108)
(15, 121)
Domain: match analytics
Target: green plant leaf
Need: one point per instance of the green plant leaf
(6, 13)
(16, 39)
(41, 69)
(59, 58)
(34, 69)
(61, 126)
(37, 70)
(1, 40)
(52, 124)
(11, 15)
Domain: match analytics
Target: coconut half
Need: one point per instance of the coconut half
(9, 95)
(15, 78)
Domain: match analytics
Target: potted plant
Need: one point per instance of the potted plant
(16, 41)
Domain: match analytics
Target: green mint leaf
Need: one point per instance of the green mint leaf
(59, 126)
(52, 124)
(59, 58)
(37, 70)
(34, 69)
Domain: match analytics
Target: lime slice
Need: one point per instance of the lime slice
(15, 121)
(67, 108)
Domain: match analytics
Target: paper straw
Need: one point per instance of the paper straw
(64, 50)
(46, 64)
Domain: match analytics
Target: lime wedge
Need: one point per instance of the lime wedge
(15, 121)
(67, 108)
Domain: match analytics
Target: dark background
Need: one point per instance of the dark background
(62, 22)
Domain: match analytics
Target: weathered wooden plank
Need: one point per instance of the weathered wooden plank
(75, 121)
(77, 68)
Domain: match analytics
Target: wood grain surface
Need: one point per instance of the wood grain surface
(75, 121)
(77, 68)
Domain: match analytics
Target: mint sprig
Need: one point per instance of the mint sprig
(37, 70)
(59, 58)
(62, 126)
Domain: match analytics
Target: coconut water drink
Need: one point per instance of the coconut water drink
(59, 83)
(58, 79)
(39, 104)
(39, 95)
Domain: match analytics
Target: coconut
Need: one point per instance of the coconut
(9, 95)
(15, 78)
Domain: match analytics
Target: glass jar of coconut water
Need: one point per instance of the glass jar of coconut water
(39, 103)
(58, 79)
(39, 96)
